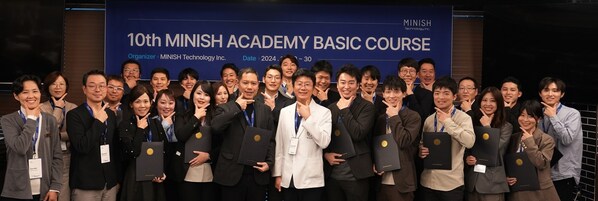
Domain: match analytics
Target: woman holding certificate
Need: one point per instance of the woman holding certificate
(486, 180)
(192, 128)
(33, 155)
(137, 134)
(535, 148)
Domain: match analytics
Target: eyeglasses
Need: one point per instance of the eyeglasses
(467, 88)
(407, 71)
(306, 85)
(115, 88)
(101, 86)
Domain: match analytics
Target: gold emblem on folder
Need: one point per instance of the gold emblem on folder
(519, 162)
(257, 137)
(486, 136)
(198, 135)
(150, 151)
(384, 143)
(337, 133)
(436, 141)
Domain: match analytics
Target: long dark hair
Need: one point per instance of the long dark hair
(499, 118)
(206, 87)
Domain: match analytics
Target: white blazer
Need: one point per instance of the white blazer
(306, 166)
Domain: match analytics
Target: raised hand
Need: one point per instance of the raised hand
(303, 110)
(168, 118)
(243, 102)
(114, 108)
(344, 103)
(269, 101)
(466, 105)
(508, 104)
(410, 86)
(322, 94)
(36, 111)
(200, 112)
(367, 96)
(485, 120)
(101, 114)
(441, 115)
(525, 134)
(60, 103)
(392, 111)
(549, 111)
(142, 123)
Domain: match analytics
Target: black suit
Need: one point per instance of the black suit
(85, 133)
(229, 121)
(333, 97)
(421, 101)
(359, 119)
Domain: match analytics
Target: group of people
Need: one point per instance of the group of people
(57, 150)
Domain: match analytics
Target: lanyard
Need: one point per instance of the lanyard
(544, 126)
(35, 135)
(149, 133)
(297, 121)
(103, 134)
(185, 103)
(436, 121)
(63, 114)
(249, 121)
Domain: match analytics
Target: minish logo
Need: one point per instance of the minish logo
(417, 23)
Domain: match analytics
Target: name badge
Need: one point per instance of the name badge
(178, 153)
(35, 168)
(293, 146)
(63, 145)
(105, 153)
(479, 168)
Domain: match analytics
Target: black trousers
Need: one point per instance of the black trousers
(566, 188)
(246, 190)
(35, 197)
(434, 195)
(273, 194)
(192, 191)
(310, 194)
(347, 190)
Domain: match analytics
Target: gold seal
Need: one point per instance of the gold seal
(257, 137)
(486, 136)
(198, 135)
(519, 162)
(384, 143)
(150, 151)
(337, 133)
(436, 141)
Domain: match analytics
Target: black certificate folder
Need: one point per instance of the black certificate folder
(150, 163)
(255, 146)
(439, 145)
(341, 142)
(519, 166)
(200, 141)
(485, 148)
(386, 153)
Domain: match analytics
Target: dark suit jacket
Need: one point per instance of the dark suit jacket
(280, 102)
(182, 105)
(87, 172)
(421, 101)
(359, 119)
(229, 121)
(405, 130)
(333, 97)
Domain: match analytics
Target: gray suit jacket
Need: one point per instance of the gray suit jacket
(494, 181)
(18, 136)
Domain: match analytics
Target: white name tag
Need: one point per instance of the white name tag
(479, 168)
(63, 145)
(178, 153)
(35, 168)
(105, 153)
(293, 146)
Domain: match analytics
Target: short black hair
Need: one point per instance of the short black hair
(231, 66)
(445, 82)
(532, 108)
(129, 61)
(475, 82)
(291, 57)
(247, 70)
(394, 82)
(560, 85)
(426, 61)
(304, 73)
(273, 67)
(93, 72)
(350, 70)
(374, 72)
(115, 78)
(188, 72)
(160, 70)
(513, 80)
(408, 62)
(137, 92)
(17, 84)
(322, 65)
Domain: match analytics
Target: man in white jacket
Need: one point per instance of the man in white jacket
(303, 132)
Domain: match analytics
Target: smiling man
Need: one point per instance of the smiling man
(564, 125)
